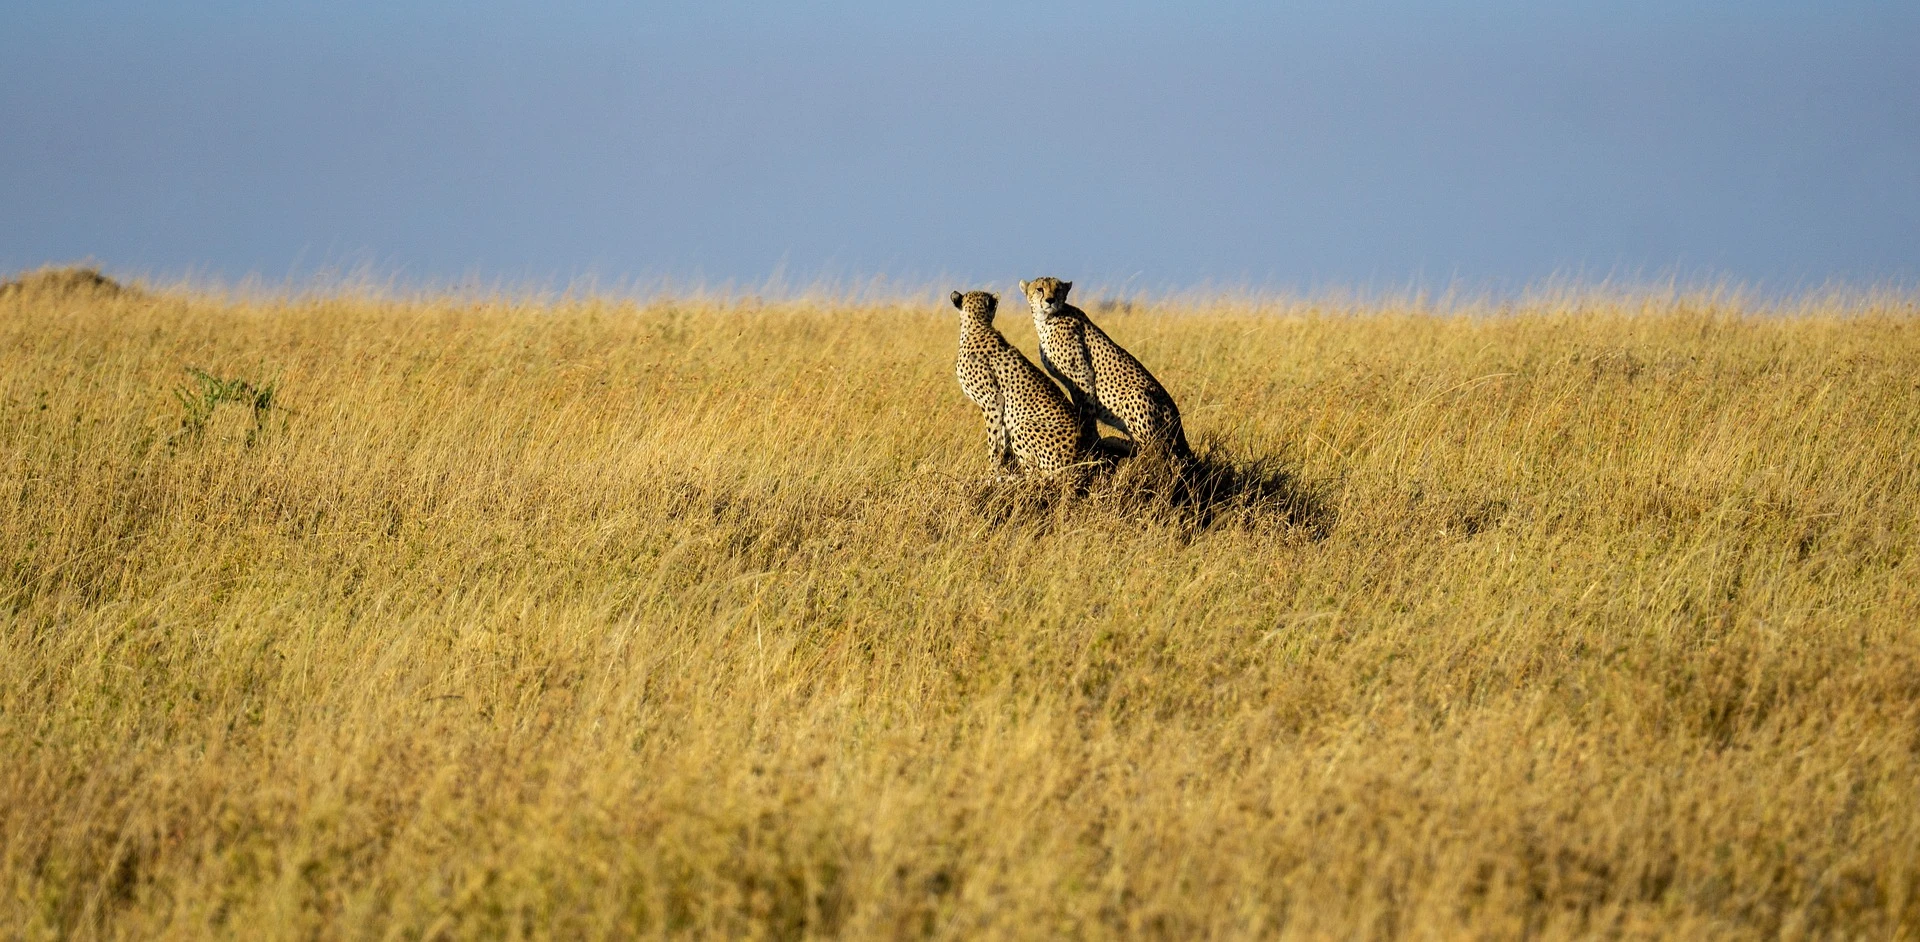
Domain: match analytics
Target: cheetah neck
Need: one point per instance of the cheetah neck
(1062, 313)
(977, 330)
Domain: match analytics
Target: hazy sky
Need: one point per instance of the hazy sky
(1153, 146)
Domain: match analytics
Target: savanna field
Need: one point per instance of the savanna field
(347, 617)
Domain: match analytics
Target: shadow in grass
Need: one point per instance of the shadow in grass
(1215, 490)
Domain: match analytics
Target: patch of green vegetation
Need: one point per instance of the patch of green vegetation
(205, 393)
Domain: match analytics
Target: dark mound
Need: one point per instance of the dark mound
(65, 282)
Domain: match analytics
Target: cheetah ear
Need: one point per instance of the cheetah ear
(1065, 287)
(1023, 287)
(956, 299)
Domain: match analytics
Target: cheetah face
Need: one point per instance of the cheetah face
(978, 304)
(1046, 295)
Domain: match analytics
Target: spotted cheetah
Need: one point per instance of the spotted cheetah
(1030, 424)
(1105, 381)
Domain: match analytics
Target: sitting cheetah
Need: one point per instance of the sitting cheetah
(1030, 424)
(1105, 381)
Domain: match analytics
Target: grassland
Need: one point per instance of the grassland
(454, 618)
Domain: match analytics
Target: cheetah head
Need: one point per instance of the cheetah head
(978, 304)
(1046, 295)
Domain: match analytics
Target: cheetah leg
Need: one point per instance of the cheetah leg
(999, 442)
(1084, 409)
(1103, 414)
(1167, 435)
(1180, 449)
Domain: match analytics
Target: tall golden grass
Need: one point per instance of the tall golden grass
(1594, 615)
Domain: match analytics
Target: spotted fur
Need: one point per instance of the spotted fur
(1105, 381)
(1030, 424)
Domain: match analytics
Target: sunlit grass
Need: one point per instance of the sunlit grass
(1591, 614)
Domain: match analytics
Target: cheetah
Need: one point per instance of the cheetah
(1105, 381)
(1030, 424)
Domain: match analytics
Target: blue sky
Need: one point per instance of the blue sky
(1146, 146)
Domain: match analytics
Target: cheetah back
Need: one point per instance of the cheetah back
(1118, 387)
(1041, 424)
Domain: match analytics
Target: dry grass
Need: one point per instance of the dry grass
(578, 620)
